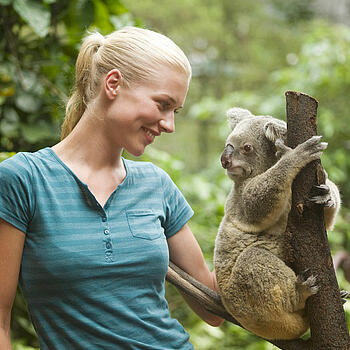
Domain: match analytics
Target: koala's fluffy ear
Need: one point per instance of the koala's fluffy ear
(235, 115)
(275, 129)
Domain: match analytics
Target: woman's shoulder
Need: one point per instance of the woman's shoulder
(15, 175)
(20, 163)
(14, 165)
(25, 167)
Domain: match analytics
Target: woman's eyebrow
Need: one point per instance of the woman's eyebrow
(168, 97)
(171, 99)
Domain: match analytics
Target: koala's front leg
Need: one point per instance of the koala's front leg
(266, 197)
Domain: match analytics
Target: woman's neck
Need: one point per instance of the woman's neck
(87, 146)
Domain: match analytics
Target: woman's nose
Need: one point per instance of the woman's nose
(167, 124)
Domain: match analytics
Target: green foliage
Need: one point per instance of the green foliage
(22, 329)
(18, 345)
(38, 51)
(244, 53)
(35, 14)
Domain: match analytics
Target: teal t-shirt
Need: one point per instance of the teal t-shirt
(93, 277)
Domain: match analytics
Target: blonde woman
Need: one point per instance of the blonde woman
(88, 233)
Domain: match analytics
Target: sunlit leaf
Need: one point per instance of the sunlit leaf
(27, 102)
(102, 20)
(38, 131)
(7, 91)
(123, 20)
(35, 14)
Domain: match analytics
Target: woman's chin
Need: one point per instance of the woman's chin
(136, 152)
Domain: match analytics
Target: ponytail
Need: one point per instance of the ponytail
(85, 82)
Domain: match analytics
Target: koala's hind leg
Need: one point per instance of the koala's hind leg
(265, 295)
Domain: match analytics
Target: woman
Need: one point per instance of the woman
(88, 233)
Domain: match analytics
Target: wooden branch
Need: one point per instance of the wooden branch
(198, 291)
(309, 237)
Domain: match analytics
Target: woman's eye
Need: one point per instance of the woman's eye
(163, 105)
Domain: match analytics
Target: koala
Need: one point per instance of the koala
(252, 252)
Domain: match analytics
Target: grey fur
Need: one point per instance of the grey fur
(251, 250)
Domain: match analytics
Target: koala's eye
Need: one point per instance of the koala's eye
(247, 148)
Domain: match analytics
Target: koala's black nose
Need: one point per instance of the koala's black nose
(226, 156)
(225, 162)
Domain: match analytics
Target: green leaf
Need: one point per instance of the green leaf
(27, 103)
(6, 155)
(102, 16)
(11, 116)
(5, 2)
(40, 131)
(123, 20)
(35, 14)
(9, 123)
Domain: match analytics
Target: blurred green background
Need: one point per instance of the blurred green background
(244, 53)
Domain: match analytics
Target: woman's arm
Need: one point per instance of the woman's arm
(186, 253)
(11, 248)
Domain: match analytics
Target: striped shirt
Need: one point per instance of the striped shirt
(92, 276)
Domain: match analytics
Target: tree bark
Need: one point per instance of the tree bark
(311, 251)
(309, 237)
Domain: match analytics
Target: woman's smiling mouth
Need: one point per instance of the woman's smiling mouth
(150, 134)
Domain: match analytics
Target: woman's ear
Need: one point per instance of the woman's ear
(112, 83)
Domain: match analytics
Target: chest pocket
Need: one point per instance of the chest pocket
(144, 224)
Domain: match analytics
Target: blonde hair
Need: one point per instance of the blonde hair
(136, 52)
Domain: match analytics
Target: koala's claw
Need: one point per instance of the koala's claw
(308, 151)
(314, 146)
(307, 285)
(321, 195)
(303, 275)
(322, 200)
(344, 294)
(322, 189)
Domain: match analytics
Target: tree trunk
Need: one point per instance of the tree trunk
(311, 251)
(309, 237)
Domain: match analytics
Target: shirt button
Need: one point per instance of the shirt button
(104, 219)
(108, 245)
(106, 232)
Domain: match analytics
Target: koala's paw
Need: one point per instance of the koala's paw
(322, 195)
(306, 285)
(281, 148)
(344, 294)
(309, 150)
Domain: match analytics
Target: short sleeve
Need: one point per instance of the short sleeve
(177, 210)
(16, 195)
